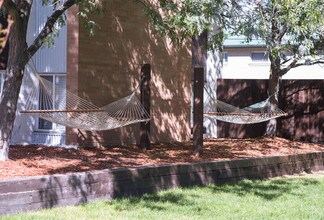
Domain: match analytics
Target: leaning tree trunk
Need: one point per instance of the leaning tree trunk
(19, 55)
(13, 78)
(273, 91)
(8, 106)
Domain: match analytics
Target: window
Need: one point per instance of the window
(225, 57)
(57, 80)
(260, 57)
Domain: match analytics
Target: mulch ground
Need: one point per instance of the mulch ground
(32, 160)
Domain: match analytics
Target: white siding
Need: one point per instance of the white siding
(50, 59)
(24, 124)
(45, 138)
(240, 66)
(213, 71)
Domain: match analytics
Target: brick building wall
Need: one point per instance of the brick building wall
(106, 67)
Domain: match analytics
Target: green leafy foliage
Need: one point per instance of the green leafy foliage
(292, 30)
(182, 19)
(87, 10)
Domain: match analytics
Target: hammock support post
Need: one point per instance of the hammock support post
(198, 95)
(145, 143)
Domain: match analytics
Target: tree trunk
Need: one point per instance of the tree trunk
(273, 91)
(17, 60)
(199, 50)
(8, 106)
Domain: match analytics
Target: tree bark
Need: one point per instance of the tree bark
(274, 82)
(8, 106)
(199, 50)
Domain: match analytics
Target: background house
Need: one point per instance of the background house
(243, 80)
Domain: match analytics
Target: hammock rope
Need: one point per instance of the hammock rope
(58, 105)
(256, 113)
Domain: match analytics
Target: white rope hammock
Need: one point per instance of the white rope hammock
(256, 113)
(54, 103)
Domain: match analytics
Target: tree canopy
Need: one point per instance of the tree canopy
(293, 30)
(181, 19)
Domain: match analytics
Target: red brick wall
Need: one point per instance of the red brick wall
(109, 68)
(72, 63)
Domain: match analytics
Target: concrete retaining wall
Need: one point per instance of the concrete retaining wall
(31, 193)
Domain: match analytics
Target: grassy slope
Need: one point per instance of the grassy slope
(280, 198)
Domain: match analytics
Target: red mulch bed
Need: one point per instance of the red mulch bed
(35, 160)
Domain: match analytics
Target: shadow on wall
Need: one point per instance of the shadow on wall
(304, 103)
(65, 190)
(301, 99)
(77, 188)
(241, 93)
(109, 69)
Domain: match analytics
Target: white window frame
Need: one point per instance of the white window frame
(261, 62)
(55, 128)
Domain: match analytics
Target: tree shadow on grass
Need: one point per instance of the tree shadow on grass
(267, 190)
(154, 201)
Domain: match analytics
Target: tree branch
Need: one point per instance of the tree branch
(286, 61)
(289, 67)
(295, 64)
(320, 61)
(48, 28)
(319, 44)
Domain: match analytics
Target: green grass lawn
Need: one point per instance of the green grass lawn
(280, 198)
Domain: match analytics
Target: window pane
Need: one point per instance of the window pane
(45, 104)
(260, 57)
(44, 124)
(60, 96)
(55, 99)
(44, 98)
(225, 57)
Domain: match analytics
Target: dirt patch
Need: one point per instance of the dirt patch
(35, 160)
